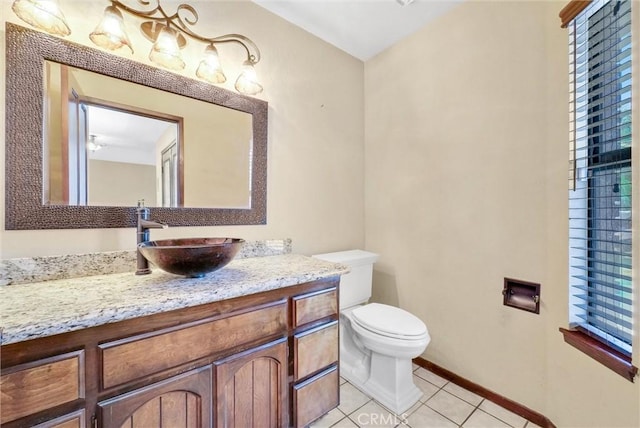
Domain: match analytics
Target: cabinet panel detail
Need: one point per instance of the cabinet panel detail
(39, 385)
(251, 388)
(72, 420)
(183, 401)
(315, 349)
(128, 359)
(315, 397)
(314, 306)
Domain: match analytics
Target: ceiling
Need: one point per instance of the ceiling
(362, 28)
(124, 136)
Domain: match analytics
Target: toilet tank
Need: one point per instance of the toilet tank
(355, 286)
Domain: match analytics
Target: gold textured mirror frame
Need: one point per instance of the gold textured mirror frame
(24, 210)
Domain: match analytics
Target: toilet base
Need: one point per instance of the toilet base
(389, 381)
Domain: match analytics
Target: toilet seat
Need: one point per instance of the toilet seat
(389, 321)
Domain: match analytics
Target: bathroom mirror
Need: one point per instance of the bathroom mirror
(29, 206)
(103, 135)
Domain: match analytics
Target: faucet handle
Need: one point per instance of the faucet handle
(142, 211)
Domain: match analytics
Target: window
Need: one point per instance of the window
(600, 244)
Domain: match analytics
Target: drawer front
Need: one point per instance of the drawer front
(32, 387)
(135, 357)
(315, 349)
(314, 306)
(315, 397)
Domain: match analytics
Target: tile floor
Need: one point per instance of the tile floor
(444, 404)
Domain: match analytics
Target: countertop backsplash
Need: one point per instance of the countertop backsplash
(46, 268)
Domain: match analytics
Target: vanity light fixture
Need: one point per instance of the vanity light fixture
(209, 68)
(166, 51)
(168, 34)
(110, 33)
(247, 82)
(42, 14)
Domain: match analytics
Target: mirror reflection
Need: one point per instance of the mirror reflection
(125, 147)
(108, 142)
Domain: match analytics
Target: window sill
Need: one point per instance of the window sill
(605, 355)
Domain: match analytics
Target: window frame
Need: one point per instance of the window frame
(580, 337)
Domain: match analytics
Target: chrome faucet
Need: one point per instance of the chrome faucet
(142, 235)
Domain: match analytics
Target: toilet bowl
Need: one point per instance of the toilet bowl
(389, 330)
(377, 342)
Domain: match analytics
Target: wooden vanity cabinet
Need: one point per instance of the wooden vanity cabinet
(263, 360)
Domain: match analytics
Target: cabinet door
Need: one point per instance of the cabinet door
(183, 401)
(251, 388)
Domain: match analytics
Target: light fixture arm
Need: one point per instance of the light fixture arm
(182, 24)
(253, 53)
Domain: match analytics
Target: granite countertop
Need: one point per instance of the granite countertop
(39, 309)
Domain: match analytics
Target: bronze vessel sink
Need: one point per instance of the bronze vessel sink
(191, 257)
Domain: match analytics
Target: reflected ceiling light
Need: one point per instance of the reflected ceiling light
(169, 34)
(92, 146)
(110, 32)
(42, 14)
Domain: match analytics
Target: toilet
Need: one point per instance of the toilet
(377, 342)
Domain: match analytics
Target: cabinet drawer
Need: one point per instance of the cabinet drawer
(39, 385)
(315, 397)
(315, 349)
(134, 357)
(314, 306)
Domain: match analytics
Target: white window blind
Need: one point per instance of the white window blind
(600, 173)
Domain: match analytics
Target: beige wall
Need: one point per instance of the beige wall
(465, 184)
(216, 169)
(132, 183)
(316, 134)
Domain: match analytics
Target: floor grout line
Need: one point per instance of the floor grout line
(404, 420)
(475, 409)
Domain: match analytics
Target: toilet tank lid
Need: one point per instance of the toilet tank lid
(349, 257)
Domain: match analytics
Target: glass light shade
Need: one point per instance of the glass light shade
(165, 51)
(42, 14)
(209, 68)
(247, 82)
(110, 32)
